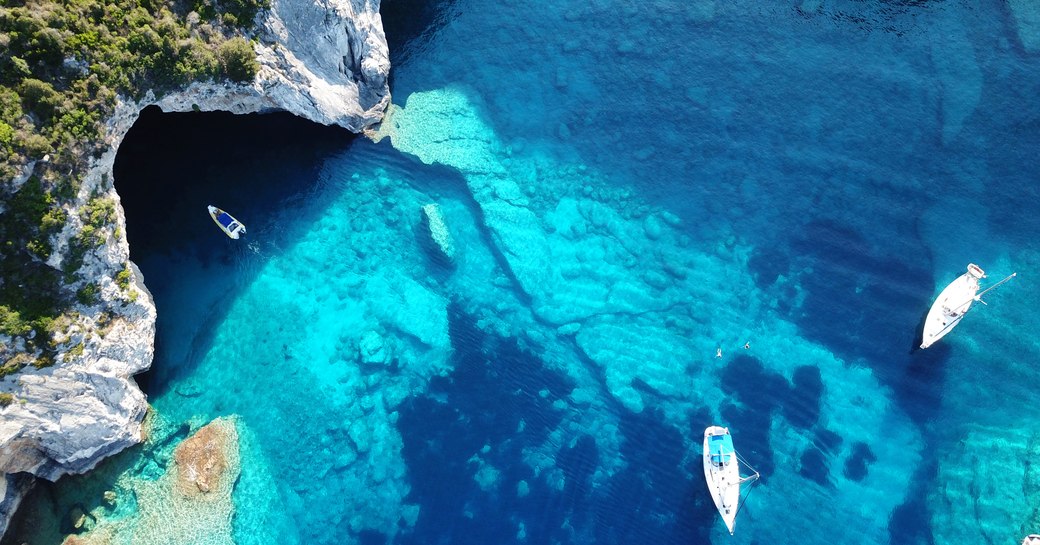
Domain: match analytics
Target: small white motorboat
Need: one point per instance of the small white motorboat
(1031, 539)
(227, 223)
(722, 473)
(953, 303)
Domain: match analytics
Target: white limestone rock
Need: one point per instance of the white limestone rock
(324, 61)
(327, 61)
(438, 229)
(373, 350)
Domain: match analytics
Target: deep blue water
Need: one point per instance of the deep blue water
(629, 187)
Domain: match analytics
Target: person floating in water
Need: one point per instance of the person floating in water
(747, 345)
(718, 352)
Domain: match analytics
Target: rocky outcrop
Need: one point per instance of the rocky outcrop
(324, 61)
(207, 462)
(438, 229)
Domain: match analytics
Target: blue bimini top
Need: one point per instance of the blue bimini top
(226, 220)
(720, 447)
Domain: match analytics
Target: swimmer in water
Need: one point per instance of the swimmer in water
(747, 345)
(718, 352)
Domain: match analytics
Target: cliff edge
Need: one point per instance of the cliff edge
(323, 61)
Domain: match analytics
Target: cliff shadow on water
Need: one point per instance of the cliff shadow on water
(409, 25)
(168, 169)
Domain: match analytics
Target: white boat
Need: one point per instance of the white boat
(1031, 539)
(953, 303)
(722, 473)
(227, 223)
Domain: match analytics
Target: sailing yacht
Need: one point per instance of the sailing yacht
(722, 473)
(953, 303)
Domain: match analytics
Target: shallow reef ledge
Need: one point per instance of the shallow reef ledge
(324, 61)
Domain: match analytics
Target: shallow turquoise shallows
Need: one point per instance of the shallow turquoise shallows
(628, 189)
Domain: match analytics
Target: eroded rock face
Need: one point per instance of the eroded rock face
(323, 61)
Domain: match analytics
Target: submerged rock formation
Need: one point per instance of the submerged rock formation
(206, 461)
(990, 491)
(326, 62)
(439, 233)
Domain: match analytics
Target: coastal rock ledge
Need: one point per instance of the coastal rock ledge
(324, 61)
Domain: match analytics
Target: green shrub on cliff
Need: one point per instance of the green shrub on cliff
(62, 65)
(11, 322)
(87, 295)
(238, 60)
(6, 399)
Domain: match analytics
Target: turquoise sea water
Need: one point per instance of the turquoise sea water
(629, 187)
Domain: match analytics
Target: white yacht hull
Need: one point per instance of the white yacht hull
(723, 481)
(951, 305)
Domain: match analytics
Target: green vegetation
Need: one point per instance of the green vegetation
(123, 278)
(14, 364)
(62, 65)
(6, 399)
(238, 60)
(87, 295)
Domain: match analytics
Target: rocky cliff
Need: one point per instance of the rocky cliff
(325, 61)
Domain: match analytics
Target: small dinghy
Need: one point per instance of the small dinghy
(722, 472)
(227, 223)
(953, 303)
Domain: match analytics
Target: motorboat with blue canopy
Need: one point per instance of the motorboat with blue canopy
(227, 223)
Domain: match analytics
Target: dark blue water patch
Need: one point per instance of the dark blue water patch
(813, 465)
(863, 300)
(893, 16)
(911, 522)
(1008, 147)
(371, 537)
(802, 408)
(767, 263)
(860, 299)
(858, 463)
(409, 25)
(759, 393)
(654, 499)
(498, 401)
(826, 440)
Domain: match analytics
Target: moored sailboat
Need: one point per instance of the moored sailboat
(953, 303)
(722, 473)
